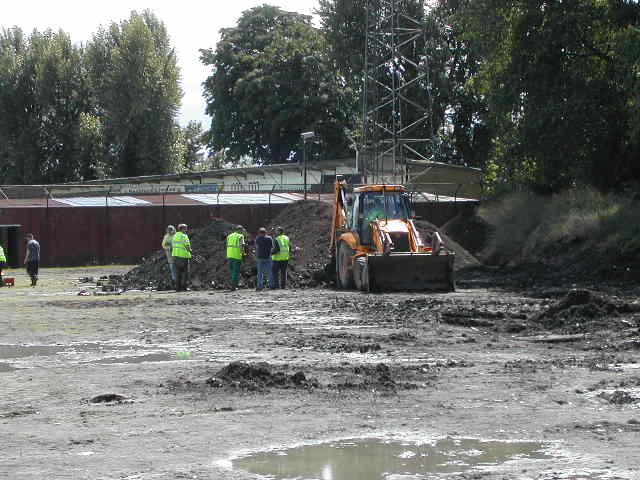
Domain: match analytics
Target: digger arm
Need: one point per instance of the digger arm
(339, 219)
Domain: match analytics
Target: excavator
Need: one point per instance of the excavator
(375, 244)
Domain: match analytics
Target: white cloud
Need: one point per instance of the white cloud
(191, 25)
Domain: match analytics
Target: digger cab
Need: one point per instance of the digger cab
(367, 204)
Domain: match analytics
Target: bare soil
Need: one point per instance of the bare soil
(162, 385)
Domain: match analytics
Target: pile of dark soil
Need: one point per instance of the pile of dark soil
(464, 259)
(307, 223)
(472, 232)
(208, 267)
(583, 310)
(258, 376)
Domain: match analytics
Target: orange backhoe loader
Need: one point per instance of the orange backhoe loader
(376, 246)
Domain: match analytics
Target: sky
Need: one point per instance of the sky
(192, 25)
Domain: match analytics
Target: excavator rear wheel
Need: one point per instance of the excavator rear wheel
(344, 273)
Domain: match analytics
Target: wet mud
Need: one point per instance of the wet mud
(157, 385)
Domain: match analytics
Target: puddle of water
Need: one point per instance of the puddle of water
(5, 367)
(25, 351)
(96, 353)
(378, 459)
(149, 357)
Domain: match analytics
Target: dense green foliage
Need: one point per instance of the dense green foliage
(271, 81)
(560, 82)
(134, 74)
(540, 94)
(72, 113)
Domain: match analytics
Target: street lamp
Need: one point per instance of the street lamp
(306, 136)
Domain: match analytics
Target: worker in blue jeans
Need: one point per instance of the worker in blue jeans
(264, 248)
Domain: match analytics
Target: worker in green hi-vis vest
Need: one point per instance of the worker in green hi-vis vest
(281, 256)
(181, 253)
(3, 264)
(235, 253)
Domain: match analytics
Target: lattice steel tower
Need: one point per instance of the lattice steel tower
(397, 103)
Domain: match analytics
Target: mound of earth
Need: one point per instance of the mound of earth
(307, 223)
(472, 232)
(258, 376)
(464, 259)
(208, 267)
(583, 310)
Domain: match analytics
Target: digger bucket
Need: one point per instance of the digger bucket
(410, 271)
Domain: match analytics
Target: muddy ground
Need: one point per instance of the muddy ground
(163, 385)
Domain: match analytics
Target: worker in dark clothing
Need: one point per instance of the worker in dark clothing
(264, 247)
(281, 255)
(181, 252)
(32, 258)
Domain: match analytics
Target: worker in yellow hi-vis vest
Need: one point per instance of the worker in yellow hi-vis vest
(181, 252)
(281, 255)
(236, 249)
(3, 264)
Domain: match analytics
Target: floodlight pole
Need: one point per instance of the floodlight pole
(306, 136)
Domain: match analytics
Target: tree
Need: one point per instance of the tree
(271, 81)
(135, 80)
(193, 135)
(43, 95)
(560, 81)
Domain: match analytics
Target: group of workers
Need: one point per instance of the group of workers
(272, 256)
(31, 259)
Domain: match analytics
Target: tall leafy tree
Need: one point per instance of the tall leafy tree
(43, 95)
(270, 82)
(136, 84)
(560, 80)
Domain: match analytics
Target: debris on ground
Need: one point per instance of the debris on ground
(108, 398)
(334, 343)
(258, 376)
(378, 377)
(619, 397)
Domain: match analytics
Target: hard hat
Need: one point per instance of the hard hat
(181, 226)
